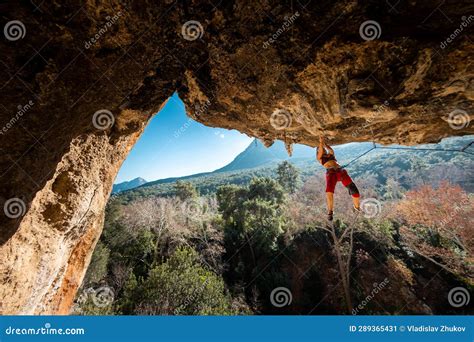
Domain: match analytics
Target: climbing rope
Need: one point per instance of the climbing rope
(461, 150)
(360, 156)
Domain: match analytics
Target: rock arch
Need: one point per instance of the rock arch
(305, 61)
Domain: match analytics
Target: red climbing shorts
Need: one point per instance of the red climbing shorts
(334, 176)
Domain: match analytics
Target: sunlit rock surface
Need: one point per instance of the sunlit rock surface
(274, 70)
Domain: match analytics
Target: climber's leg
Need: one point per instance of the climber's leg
(355, 195)
(330, 204)
(353, 190)
(331, 180)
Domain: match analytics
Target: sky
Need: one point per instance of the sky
(174, 145)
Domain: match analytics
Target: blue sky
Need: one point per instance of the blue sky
(175, 145)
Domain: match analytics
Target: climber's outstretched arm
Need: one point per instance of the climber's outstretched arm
(320, 150)
(329, 149)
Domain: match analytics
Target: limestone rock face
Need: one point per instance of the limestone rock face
(80, 80)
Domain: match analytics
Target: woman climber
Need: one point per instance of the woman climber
(335, 173)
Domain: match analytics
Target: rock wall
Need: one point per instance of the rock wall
(80, 80)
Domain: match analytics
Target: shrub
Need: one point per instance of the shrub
(181, 286)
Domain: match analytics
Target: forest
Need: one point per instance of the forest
(256, 241)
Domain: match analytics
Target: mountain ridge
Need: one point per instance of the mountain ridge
(256, 154)
(128, 185)
(256, 157)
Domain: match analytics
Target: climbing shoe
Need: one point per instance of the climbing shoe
(330, 216)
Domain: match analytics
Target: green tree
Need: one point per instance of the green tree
(129, 296)
(180, 286)
(288, 176)
(418, 166)
(253, 217)
(185, 190)
(392, 189)
(132, 246)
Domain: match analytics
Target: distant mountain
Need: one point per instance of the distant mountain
(257, 161)
(128, 185)
(256, 154)
(257, 157)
